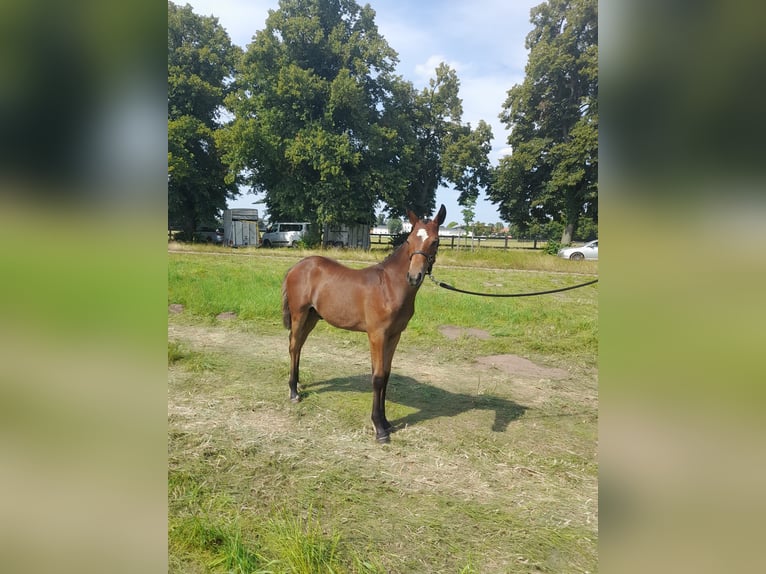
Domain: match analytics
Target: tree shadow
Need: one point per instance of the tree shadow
(429, 401)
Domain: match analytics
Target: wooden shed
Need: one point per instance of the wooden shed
(240, 227)
(356, 236)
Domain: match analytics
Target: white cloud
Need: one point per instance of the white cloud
(427, 70)
(241, 18)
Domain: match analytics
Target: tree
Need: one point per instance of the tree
(468, 214)
(311, 95)
(437, 148)
(201, 61)
(552, 173)
(328, 133)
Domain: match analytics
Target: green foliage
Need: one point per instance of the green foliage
(587, 230)
(553, 118)
(469, 211)
(441, 148)
(200, 63)
(327, 132)
(309, 104)
(311, 240)
(552, 247)
(548, 231)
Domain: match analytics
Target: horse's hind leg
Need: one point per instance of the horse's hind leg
(301, 325)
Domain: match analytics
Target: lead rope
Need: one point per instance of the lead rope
(451, 288)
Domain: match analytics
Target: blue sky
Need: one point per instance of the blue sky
(483, 40)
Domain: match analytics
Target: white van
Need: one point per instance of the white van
(284, 234)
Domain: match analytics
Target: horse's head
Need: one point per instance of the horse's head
(422, 244)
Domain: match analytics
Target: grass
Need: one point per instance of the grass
(488, 471)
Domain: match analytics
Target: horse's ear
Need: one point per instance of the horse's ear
(412, 217)
(442, 215)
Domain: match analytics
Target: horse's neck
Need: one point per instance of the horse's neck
(396, 267)
(397, 261)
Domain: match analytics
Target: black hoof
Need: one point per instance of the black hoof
(383, 439)
(295, 399)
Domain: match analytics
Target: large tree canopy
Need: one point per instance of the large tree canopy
(552, 172)
(309, 127)
(201, 62)
(327, 132)
(439, 147)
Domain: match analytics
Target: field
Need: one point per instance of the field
(493, 467)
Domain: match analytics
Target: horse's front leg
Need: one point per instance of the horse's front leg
(388, 357)
(381, 350)
(377, 347)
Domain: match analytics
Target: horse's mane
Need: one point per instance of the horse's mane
(394, 252)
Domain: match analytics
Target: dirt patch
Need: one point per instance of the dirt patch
(226, 315)
(522, 368)
(175, 308)
(452, 332)
(528, 382)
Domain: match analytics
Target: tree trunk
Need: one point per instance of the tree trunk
(572, 214)
(189, 227)
(567, 234)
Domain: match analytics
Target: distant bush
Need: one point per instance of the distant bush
(553, 246)
(587, 230)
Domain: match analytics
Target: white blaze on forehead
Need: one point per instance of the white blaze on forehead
(422, 233)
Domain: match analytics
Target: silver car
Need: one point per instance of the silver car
(587, 251)
(284, 234)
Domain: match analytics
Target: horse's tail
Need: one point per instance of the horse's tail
(286, 317)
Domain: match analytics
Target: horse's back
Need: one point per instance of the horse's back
(310, 275)
(317, 268)
(333, 290)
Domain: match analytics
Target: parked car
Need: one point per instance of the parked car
(209, 235)
(587, 251)
(284, 234)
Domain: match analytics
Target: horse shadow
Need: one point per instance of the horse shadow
(430, 402)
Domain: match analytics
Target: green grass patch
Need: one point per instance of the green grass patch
(488, 471)
(563, 324)
(208, 285)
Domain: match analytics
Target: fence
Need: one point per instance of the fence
(462, 242)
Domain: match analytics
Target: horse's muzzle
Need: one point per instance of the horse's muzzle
(415, 280)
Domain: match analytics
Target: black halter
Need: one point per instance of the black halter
(430, 259)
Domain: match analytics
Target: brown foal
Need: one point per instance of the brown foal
(379, 300)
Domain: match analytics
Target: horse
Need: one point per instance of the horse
(378, 300)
